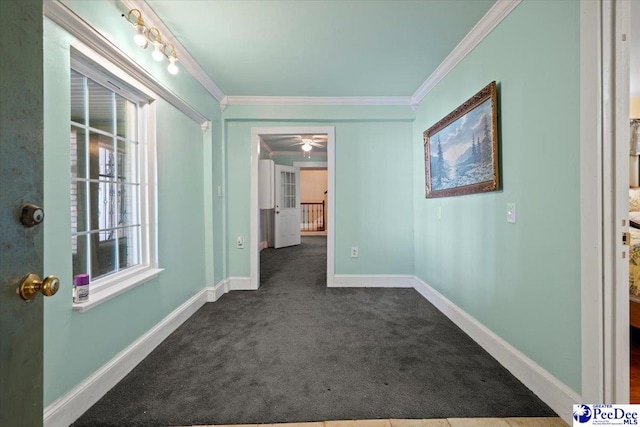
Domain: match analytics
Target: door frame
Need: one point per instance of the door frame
(254, 216)
(604, 181)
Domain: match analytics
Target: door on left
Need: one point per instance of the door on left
(21, 247)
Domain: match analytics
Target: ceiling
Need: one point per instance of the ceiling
(282, 143)
(320, 48)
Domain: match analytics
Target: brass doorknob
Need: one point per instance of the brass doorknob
(31, 284)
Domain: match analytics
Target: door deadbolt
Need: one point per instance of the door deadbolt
(31, 215)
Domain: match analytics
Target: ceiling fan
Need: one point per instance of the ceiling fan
(309, 141)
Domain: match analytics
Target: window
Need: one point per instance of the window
(111, 236)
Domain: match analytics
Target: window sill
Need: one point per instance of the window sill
(112, 287)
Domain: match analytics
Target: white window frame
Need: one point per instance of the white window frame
(115, 284)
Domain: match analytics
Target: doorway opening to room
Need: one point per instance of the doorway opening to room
(313, 199)
(292, 200)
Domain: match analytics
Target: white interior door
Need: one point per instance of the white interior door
(287, 218)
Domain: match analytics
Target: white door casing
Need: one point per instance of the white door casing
(287, 215)
(254, 246)
(604, 171)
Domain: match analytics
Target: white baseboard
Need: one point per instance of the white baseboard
(240, 284)
(371, 281)
(214, 293)
(553, 392)
(69, 407)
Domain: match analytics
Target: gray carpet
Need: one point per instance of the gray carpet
(297, 351)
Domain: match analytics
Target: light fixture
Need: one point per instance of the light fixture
(140, 37)
(172, 68)
(144, 35)
(306, 148)
(158, 46)
(307, 145)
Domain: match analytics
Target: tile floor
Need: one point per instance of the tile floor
(449, 422)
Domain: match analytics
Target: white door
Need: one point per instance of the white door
(287, 222)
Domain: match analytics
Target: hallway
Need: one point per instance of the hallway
(297, 351)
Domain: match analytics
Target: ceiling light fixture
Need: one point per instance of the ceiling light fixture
(307, 145)
(306, 148)
(144, 35)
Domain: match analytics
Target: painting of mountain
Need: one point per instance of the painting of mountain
(461, 153)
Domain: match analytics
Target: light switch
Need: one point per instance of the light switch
(240, 242)
(511, 213)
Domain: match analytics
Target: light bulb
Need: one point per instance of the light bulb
(157, 52)
(140, 38)
(306, 147)
(172, 68)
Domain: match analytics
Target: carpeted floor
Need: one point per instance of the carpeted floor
(297, 351)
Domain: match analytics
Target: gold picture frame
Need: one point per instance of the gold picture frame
(461, 150)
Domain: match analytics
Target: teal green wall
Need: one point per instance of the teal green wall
(189, 168)
(373, 183)
(521, 280)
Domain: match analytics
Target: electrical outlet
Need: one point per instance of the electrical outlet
(354, 252)
(240, 242)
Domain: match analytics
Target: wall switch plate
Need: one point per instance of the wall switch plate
(439, 212)
(219, 191)
(240, 242)
(354, 252)
(511, 213)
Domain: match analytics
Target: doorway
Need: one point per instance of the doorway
(313, 198)
(259, 138)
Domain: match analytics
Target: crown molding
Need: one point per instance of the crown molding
(487, 23)
(85, 34)
(190, 65)
(316, 100)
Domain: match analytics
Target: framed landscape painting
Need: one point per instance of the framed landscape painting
(461, 150)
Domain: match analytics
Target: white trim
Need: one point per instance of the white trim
(372, 281)
(214, 293)
(241, 284)
(309, 165)
(547, 387)
(591, 221)
(69, 407)
(317, 100)
(615, 174)
(485, 25)
(190, 65)
(254, 215)
(84, 33)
